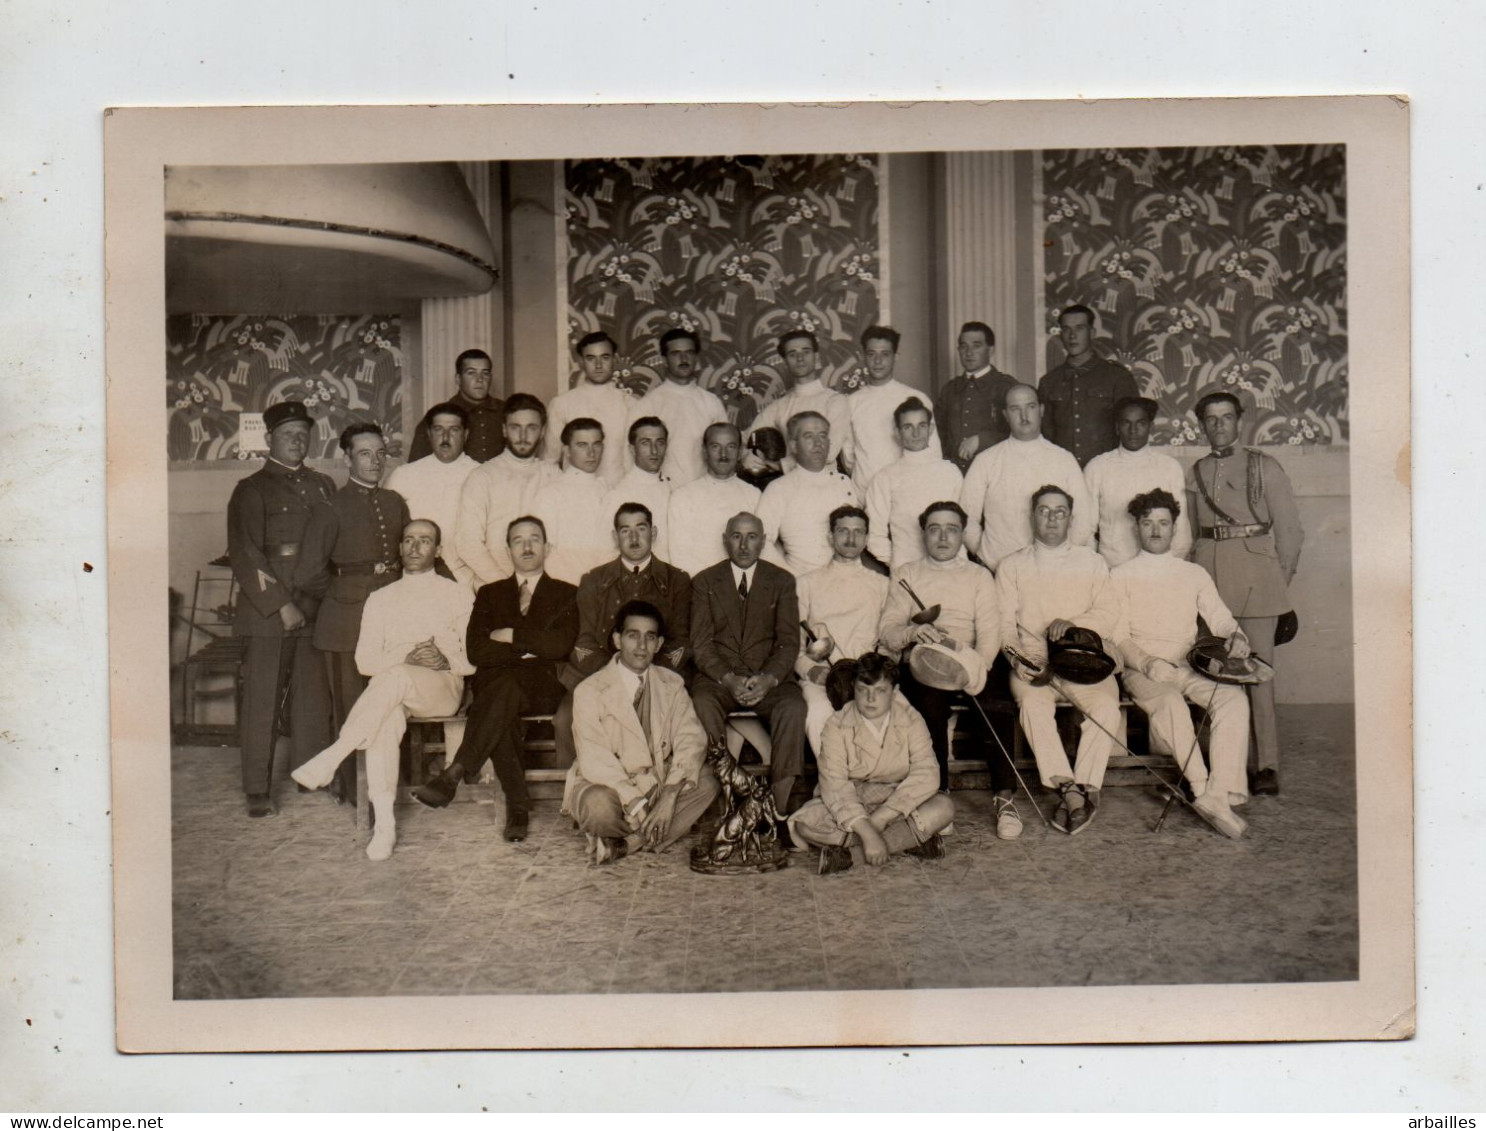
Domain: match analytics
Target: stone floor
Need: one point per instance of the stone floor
(289, 906)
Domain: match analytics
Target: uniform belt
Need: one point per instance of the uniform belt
(1223, 533)
(284, 550)
(351, 569)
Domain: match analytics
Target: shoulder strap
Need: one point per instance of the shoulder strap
(1218, 512)
(1254, 479)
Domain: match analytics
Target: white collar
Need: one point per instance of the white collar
(740, 574)
(630, 567)
(530, 578)
(628, 679)
(923, 455)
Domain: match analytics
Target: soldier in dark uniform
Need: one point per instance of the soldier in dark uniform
(351, 548)
(968, 410)
(474, 372)
(1078, 397)
(266, 521)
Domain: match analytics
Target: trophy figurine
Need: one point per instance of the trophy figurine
(747, 836)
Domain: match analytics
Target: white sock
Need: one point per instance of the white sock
(384, 838)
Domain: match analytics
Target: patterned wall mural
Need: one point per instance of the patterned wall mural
(1211, 268)
(738, 248)
(346, 368)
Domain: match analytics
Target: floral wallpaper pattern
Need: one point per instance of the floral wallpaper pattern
(739, 249)
(346, 368)
(1211, 268)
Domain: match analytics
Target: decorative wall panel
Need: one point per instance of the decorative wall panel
(346, 368)
(1211, 268)
(739, 249)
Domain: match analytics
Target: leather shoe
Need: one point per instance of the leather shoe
(1266, 782)
(516, 820)
(931, 849)
(608, 849)
(834, 858)
(437, 792)
(261, 805)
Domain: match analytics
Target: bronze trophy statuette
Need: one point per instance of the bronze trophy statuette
(747, 836)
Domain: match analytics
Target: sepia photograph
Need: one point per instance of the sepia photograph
(748, 576)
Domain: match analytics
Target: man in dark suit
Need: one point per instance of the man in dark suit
(635, 575)
(522, 629)
(745, 637)
(266, 522)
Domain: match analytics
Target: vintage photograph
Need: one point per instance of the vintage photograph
(783, 578)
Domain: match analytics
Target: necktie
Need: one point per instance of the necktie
(743, 587)
(642, 709)
(525, 597)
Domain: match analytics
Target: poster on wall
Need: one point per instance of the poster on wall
(955, 269)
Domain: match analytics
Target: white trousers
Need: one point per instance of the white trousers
(379, 717)
(1165, 704)
(1100, 703)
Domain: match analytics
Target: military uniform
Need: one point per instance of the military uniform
(1078, 405)
(1251, 549)
(487, 435)
(266, 522)
(971, 405)
(352, 547)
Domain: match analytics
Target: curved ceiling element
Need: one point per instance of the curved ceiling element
(321, 238)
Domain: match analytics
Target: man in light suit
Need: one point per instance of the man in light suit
(745, 637)
(639, 779)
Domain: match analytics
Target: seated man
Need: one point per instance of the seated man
(639, 779)
(879, 785)
(411, 648)
(840, 604)
(635, 575)
(1046, 590)
(745, 635)
(962, 598)
(522, 629)
(1161, 596)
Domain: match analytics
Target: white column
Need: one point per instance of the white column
(452, 325)
(980, 249)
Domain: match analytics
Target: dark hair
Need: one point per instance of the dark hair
(1051, 489)
(581, 424)
(790, 426)
(947, 505)
(874, 667)
(447, 408)
(362, 428)
(881, 333)
(1079, 308)
(523, 402)
(471, 355)
(675, 335)
(648, 422)
(790, 335)
(515, 522)
(438, 532)
(981, 327)
(768, 443)
(1150, 406)
(847, 511)
(721, 424)
(1143, 504)
(912, 404)
(1212, 398)
(638, 609)
(633, 508)
(593, 339)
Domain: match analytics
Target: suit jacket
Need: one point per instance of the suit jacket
(609, 586)
(546, 633)
(266, 522)
(610, 743)
(727, 637)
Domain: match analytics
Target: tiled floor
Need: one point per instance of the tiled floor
(290, 906)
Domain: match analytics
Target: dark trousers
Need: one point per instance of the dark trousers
(346, 684)
(783, 709)
(270, 664)
(502, 696)
(935, 706)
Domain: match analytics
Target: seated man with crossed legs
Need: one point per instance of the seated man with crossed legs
(639, 779)
(411, 646)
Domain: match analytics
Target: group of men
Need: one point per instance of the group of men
(605, 561)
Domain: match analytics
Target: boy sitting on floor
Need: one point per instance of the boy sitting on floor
(879, 781)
